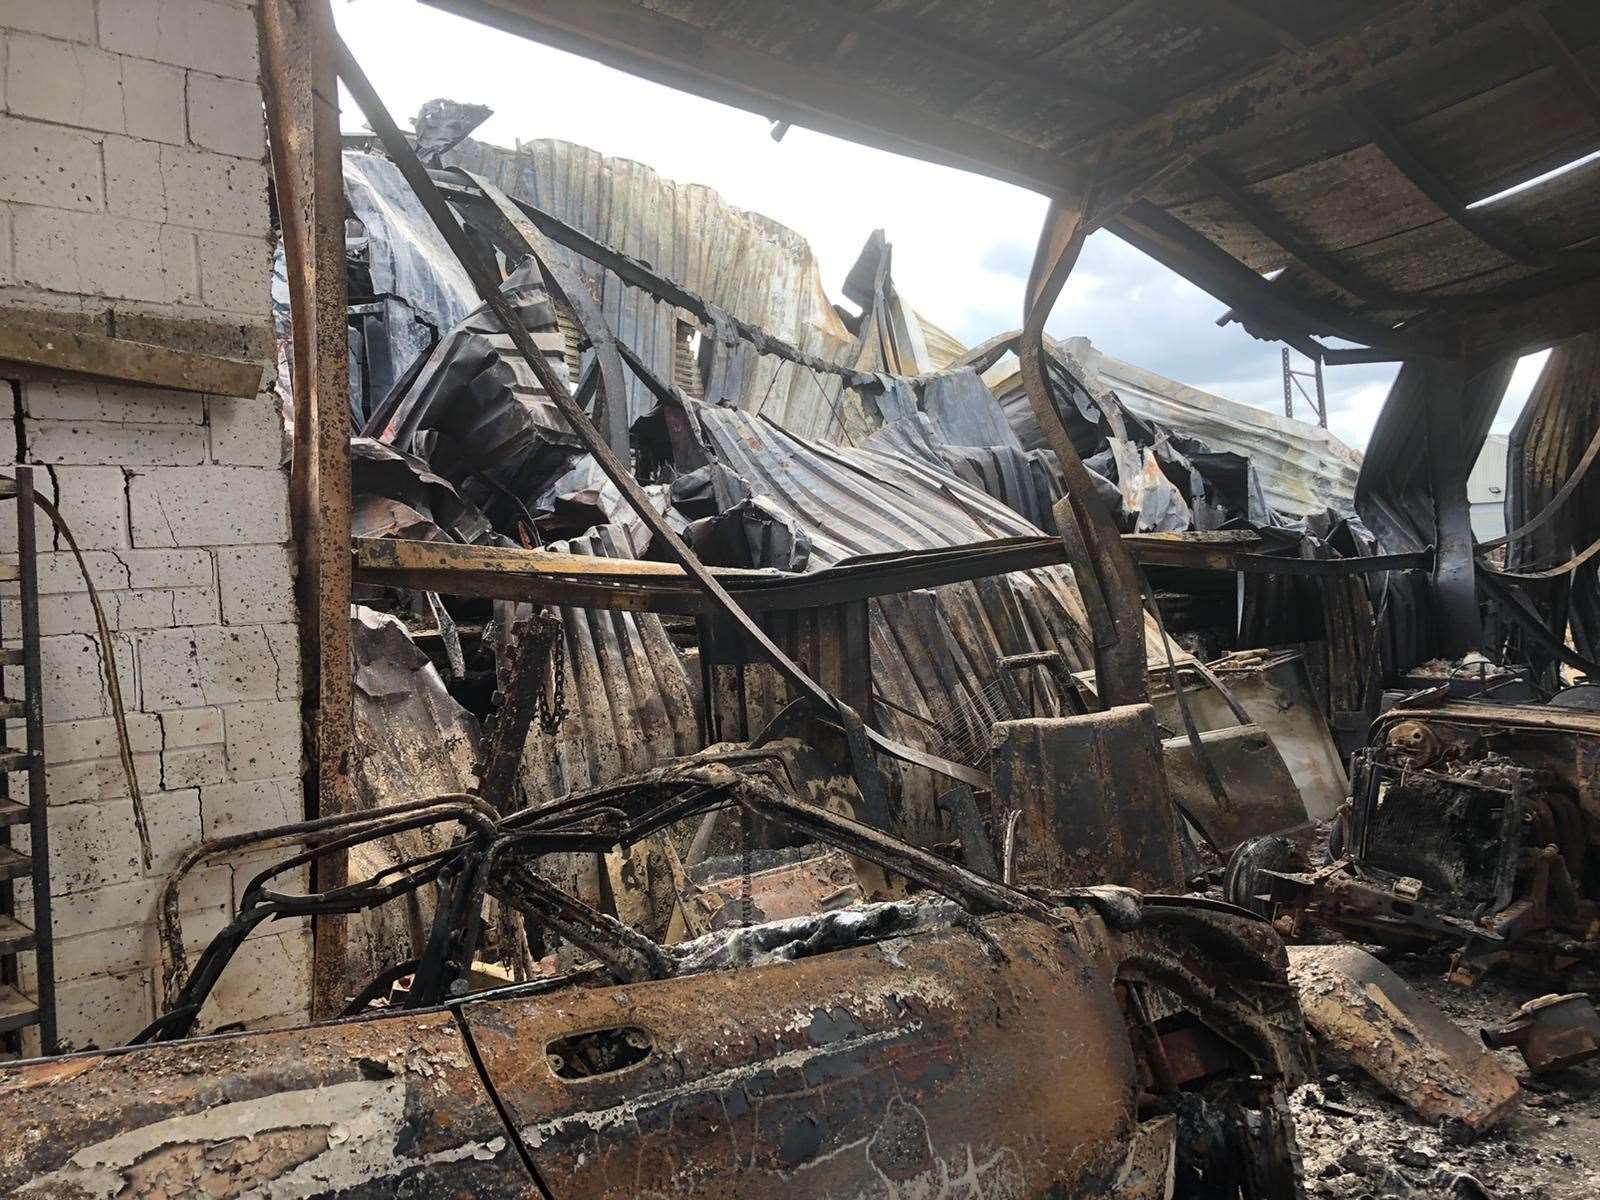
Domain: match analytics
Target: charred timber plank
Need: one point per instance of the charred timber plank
(53, 350)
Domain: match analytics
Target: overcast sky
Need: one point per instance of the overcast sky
(962, 243)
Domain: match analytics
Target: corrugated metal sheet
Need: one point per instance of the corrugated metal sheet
(746, 263)
(935, 653)
(1303, 468)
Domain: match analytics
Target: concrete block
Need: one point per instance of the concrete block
(90, 499)
(247, 431)
(263, 740)
(70, 19)
(174, 828)
(7, 269)
(204, 890)
(92, 845)
(214, 191)
(225, 115)
(268, 981)
(180, 259)
(167, 568)
(68, 83)
(104, 1010)
(187, 668)
(196, 766)
(128, 444)
(48, 165)
(285, 643)
(257, 584)
(216, 37)
(233, 808)
(159, 609)
(96, 779)
(73, 685)
(58, 572)
(235, 272)
(62, 400)
(185, 727)
(89, 253)
(135, 186)
(210, 506)
(153, 101)
(93, 738)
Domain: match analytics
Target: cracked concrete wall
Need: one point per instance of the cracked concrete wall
(133, 202)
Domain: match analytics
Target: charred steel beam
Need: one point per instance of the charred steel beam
(300, 84)
(648, 42)
(488, 288)
(1089, 531)
(1458, 625)
(1214, 175)
(1194, 256)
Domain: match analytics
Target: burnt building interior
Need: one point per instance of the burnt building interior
(742, 743)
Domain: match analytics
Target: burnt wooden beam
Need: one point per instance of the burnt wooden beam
(649, 43)
(54, 351)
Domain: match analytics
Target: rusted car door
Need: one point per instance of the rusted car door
(941, 1064)
(364, 1110)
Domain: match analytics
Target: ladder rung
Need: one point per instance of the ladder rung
(16, 1010)
(15, 936)
(12, 864)
(12, 710)
(14, 812)
(11, 658)
(8, 486)
(10, 572)
(12, 759)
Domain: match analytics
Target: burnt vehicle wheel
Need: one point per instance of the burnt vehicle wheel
(1242, 884)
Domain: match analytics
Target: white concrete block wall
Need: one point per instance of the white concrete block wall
(134, 190)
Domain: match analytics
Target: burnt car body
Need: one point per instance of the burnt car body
(1472, 826)
(1133, 1045)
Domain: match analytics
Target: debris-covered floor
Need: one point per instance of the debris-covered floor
(1359, 1140)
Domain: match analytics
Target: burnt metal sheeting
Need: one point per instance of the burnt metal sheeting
(743, 262)
(935, 653)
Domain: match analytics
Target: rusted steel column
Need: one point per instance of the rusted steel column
(300, 84)
(1458, 627)
(1099, 559)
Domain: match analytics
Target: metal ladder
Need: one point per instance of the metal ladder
(18, 1010)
